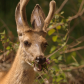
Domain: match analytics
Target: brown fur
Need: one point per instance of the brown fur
(21, 72)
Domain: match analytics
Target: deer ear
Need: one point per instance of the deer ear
(37, 18)
(18, 20)
(18, 16)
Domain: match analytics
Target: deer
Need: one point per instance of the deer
(32, 44)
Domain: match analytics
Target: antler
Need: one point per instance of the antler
(23, 4)
(50, 14)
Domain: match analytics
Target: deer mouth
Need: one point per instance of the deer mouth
(40, 67)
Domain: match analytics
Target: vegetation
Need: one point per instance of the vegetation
(65, 52)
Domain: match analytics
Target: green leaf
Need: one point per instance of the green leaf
(75, 64)
(59, 79)
(8, 48)
(2, 36)
(73, 54)
(50, 26)
(58, 27)
(57, 16)
(66, 24)
(8, 40)
(62, 21)
(3, 32)
(57, 54)
(52, 49)
(50, 32)
(63, 44)
(63, 75)
(62, 12)
(65, 38)
(54, 72)
(53, 57)
(53, 80)
(54, 38)
(60, 58)
(51, 22)
(57, 69)
(55, 60)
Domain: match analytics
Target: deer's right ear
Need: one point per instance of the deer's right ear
(18, 20)
(37, 18)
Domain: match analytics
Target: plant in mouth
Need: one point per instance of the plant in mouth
(41, 67)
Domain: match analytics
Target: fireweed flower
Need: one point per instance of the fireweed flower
(47, 61)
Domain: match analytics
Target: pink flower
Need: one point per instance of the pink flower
(47, 61)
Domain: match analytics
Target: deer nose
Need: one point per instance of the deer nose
(40, 59)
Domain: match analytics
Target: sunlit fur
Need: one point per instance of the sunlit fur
(22, 71)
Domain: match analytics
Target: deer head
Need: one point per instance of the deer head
(32, 40)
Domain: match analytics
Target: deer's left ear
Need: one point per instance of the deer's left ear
(37, 18)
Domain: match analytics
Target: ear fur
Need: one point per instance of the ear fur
(19, 23)
(18, 20)
(37, 18)
(18, 16)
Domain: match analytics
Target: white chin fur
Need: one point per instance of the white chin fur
(29, 63)
(35, 69)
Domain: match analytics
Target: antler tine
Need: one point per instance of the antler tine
(23, 4)
(50, 14)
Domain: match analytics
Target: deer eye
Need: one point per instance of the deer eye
(26, 43)
(45, 45)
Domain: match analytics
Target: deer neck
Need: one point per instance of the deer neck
(20, 72)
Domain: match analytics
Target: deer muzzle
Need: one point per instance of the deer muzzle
(40, 61)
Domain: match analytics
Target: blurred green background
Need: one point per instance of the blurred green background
(76, 36)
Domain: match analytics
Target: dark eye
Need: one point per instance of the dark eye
(26, 43)
(45, 44)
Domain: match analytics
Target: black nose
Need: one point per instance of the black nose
(40, 59)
